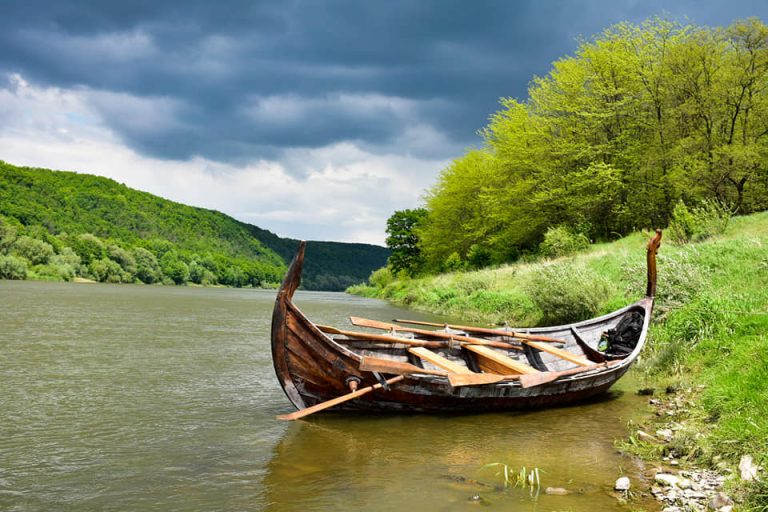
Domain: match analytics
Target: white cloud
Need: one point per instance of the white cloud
(342, 192)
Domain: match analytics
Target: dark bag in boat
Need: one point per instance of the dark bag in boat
(622, 339)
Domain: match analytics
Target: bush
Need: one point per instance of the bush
(453, 263)
(147, 269)
(107, 271)
(704, 221)
(35, 251)
(66, 263)
(478, 256)
(381, 277)
(89, 247)
(680, 280)
(122, 258)
(12, 267)
(567, 292)
(561, 241)
(7, 235)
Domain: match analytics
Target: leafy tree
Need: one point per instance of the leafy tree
(7, 235)
(89, 247)
(123, 258)
(638, 118)
(35, 251)
(12, 267)
(174, 268)
(403, 240)
(147, 269)
(107, 271)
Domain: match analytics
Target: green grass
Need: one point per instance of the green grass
(710, 325)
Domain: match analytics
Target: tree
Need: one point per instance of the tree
(35, 251)
(147, 269)
(403, 239)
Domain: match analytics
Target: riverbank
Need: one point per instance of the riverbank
(710, 329)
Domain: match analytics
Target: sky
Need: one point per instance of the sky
(313, 119)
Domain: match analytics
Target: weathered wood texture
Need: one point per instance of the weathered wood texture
(314, 368)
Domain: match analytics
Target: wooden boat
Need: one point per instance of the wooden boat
(457, 368)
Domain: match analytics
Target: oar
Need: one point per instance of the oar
(335, 401)
(562, 354)
(537, 379)
(375, 324)
(382, 337)
(477, 379)
(483, 330)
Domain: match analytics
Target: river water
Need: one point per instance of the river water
(120, 397)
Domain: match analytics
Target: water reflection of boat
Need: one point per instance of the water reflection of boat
(467, 369)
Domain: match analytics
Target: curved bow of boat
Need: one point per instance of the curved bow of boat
(288, 287)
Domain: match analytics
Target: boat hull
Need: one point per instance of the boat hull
(313, 368)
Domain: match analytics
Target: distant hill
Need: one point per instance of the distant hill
(114, 229)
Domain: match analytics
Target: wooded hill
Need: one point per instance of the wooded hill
(60, 225)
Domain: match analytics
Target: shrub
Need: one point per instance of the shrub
(478, 256)
(107, 271)
(35, 251)
(147, 268)
(12, 267)
(66, 263)
(680, 280)
(453, 263)
(122, 258)
(7, 235)
(381, 277)
(89, 247)
(567, 292)
(704, 221)
(561, 241)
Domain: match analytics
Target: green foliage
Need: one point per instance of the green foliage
(147, 268)
(107, 271)
(453, 263)
(178, 271)
(561, 241)
(403, 240)
(89, 247)
(12, 267)
(704, 221)
(639, 118)
(478, 256)
(567, 292)
(381, 277)
(35, 251)
(7, 235)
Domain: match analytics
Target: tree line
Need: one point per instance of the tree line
(641, 119)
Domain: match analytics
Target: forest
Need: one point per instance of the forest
(642, 119)
(57, 225)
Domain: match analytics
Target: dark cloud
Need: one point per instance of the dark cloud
(242, 80)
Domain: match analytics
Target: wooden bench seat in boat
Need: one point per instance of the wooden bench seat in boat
(494, 362)
(438, 360)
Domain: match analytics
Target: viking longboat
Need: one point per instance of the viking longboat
(409, 368)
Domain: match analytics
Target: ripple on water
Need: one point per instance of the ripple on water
(160, 398)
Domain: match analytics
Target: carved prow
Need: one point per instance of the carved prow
(653, 247)
(292, 279)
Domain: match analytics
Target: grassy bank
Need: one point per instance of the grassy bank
(710, 330)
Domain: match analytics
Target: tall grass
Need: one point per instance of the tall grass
(710, 323)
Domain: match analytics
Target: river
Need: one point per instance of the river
(122, 397)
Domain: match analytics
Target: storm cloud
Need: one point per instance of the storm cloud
(237, 84)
